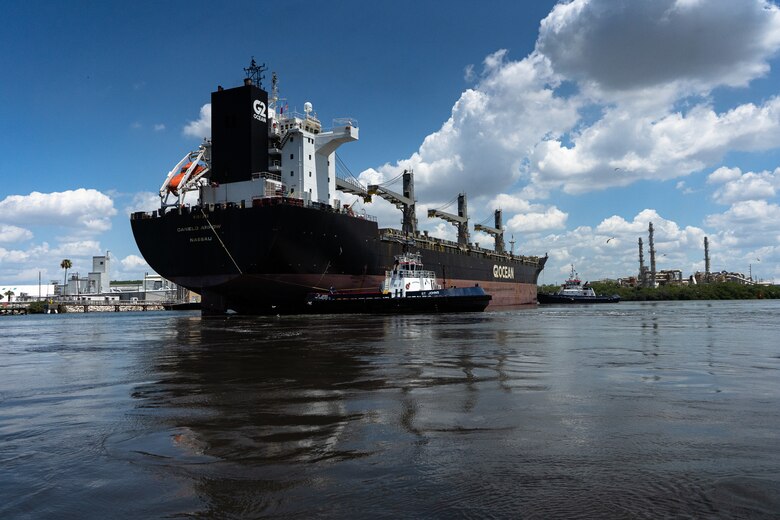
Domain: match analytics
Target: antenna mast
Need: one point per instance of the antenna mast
(255, 73)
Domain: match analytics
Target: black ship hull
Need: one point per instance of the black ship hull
(265, 259)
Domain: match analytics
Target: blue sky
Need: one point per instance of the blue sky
(582, 120)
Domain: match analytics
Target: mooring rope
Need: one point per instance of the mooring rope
(220, 241)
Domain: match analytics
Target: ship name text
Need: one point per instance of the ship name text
(503, 271)
(196, 228)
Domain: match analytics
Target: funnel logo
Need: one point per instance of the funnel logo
(260, 110)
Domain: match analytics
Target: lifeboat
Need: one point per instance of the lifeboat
(173, 185)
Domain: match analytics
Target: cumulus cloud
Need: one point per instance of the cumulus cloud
(143, 201)
(622, 147)
(10, 233)
(611, 247)
(534, 222)
(86, 209)
(201, 127)
(481, 148)
(134, 263)
(750, 186)
(599, 104)
(638, 44)
(724, 174)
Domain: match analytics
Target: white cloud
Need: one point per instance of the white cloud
(10, 233)
(88, 210)
(622, 123)
(611, 248)
(159, 127)
(622, 147)
(134, 263)
(724, 174)
(633, 45)
(534, 222)
(143, 201)
(750, 186)
(200, 128)
(480, 149)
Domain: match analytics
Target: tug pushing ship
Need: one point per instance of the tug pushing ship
(251, 221)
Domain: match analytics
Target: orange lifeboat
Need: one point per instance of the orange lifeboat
(173, 185)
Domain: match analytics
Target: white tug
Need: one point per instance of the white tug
(408, 275)
(574, 291)
(407, 288)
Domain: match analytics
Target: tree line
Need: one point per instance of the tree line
(710, 291)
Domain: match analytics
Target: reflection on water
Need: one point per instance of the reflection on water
(621, 410)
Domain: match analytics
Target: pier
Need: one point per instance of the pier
(65, 306)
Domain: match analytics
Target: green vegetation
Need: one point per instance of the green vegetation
(713, 291)
(66, 264)
(37, 307)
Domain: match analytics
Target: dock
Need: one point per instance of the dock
(64, 306)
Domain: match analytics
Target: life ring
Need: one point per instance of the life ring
(407, 287)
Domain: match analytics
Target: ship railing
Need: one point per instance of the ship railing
(345, 121)
(439, 244)
(406, 273)
(267, 175)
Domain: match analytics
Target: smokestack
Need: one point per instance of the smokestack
(706, 260)
(652, 256)
(642, 277)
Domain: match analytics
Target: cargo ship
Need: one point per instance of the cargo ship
(250, 220)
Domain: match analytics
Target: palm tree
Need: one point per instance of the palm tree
(65, 264)
(9, 293)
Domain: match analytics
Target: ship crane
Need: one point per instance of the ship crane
(185, 175)
(461, 219)
(353, 188)
(497, 232)
(405, 202)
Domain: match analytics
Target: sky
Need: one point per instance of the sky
(583, 121)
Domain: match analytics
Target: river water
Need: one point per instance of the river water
(630, 410)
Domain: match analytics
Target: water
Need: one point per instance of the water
(634, 410)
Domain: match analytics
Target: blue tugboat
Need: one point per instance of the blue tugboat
(407, 288)
(574, 291)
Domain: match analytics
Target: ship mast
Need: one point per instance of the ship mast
(254, 73)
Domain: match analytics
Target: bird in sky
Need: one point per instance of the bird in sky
(610, 238)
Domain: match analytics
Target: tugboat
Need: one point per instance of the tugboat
(574, 291)
(407, 288)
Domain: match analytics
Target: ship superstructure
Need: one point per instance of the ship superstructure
(251, 220)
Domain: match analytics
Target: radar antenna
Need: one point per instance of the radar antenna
(255, 72)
